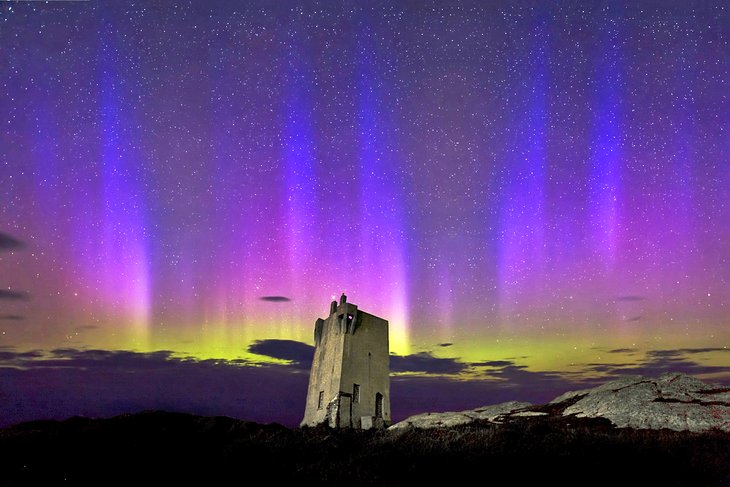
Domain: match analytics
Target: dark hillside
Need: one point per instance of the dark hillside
(159, 447)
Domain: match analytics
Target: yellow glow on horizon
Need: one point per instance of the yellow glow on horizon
(573, 351)
(398, 335)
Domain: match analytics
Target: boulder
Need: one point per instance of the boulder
(674, 401)
(444, 420)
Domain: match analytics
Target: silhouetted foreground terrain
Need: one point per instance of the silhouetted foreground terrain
(162, 448)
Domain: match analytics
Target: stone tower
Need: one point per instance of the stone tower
(349, 385)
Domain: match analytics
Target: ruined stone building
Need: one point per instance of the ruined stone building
(349, 384)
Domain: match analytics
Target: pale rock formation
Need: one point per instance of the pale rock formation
(674, 401)
(447, 419)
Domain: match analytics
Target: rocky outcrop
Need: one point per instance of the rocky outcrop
(447, 419)
(675, 401)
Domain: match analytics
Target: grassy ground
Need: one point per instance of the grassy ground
(168, 448)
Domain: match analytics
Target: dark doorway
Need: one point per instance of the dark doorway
(378, 405)
(344, 412)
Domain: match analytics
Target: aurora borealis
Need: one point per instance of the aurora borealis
(536, 185)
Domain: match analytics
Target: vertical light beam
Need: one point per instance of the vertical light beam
(124, 257)
(382, 240)
(606, 154)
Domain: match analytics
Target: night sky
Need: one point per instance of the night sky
(536, 195)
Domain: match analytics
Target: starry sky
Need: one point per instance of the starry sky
(536, 195)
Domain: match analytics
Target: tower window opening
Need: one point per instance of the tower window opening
(378, 405)
(320, 401)
(356, 393)
(341, 323)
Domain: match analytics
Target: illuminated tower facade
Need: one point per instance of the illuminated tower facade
(349, 384)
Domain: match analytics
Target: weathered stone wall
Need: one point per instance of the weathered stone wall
(326, 372)
(366, 362)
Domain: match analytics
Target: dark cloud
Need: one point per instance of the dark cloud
(447, 344)
(299, 354)
(622, 350)
(413, 395)
(9, 243)
(663, 365)
(664, 353)
(13, 295)
(275, 299)
(702, 350)
(633, 318)
(679, 352)
(11, 317)
(426, 363)
(606, 368)
(70, 357)
(10, 357)
(99, 383)
(657, 362)
(630, 298)
(493, 363)
(518, 374)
